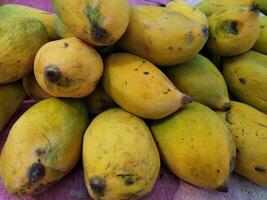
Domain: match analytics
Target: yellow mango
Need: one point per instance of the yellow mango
(249, 127)
(43, 146)
(246, 78)
(197, 146)
(261, 43)
(33, 89)
(21, 38)
(140, 87)
(99, 22)
(233, 31)
(61, 29)
(68, 68)
(189, 11)
(201, 79)
(163, 36)
(210, 7)
(11, 97)
(120, 157)
(47, 18)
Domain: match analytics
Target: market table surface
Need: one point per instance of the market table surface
(168, 186)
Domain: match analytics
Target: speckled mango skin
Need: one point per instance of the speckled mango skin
(98, 22)
(47, 140)
(21, 38)
(47, 18)
(197, 146)
(246, 78)
(33, 89)
(11, 97)
(140, 87)
(120, 158)
(261, 43)
(210, 7)
(201, 79)
(188, 10)
(163, 36)
(249, 127)
(61, 29)
(68, 68)
(233, 31)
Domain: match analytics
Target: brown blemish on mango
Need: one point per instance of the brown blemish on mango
(36, 172)
(242, 80)
(98, 185)
(260, 169)
(52, 73)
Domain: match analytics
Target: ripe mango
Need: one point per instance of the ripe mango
(120, 157)
(11, 97)
(68, 68)
(21, 38)
(163, 36)
(249, 127)
(233, 31)
(61, 29)
(201, 79)
(43, 145)
(263, 5)
(261, 43)
(246, 78)
(140, 87)
(100, 22)
(98, 101)
(189, 11)
(48, 19)
(33, 89)
(210, 7)
(197, 146)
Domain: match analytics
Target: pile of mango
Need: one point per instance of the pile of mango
(127, 87)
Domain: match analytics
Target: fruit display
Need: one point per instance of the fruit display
(125, 90)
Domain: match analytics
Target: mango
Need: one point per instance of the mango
(233, 31)
(43, 146)
(140, 87)
(263, 5)
(189, 11)
(47, 18)
(246, 78)
(100, 22)
(11, 97)
(249, 127)
(201, 79)
(210, 7)
(68, 68)
(261, 43)
(21, 38)
(163, 36)
(120, 157)
(61, 30)
(98, 101)
(32, 88)
(197, 146)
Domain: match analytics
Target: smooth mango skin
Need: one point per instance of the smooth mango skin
(189, 11)
(21, 38)
(246, 78)
(120, 157)
(33, 89)
(249, 127)
(210, 7)
(98, 101)
(261, 43)
(61, 29)
(98, 22)
(201, 79)
(233, 31)
(68, 68)
(163, 36)
(47, 18)
(140, 87)
(197, 146)
(43, 145)
(263, 5)
(11, 97)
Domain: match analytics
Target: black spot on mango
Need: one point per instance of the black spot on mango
(242, 80)
(36, 172)
(98, 185)
(205, 31)
(52, 73)
(260, 169)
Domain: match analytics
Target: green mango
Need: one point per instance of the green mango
(200, 79)
(261, 43)
(263, 5)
